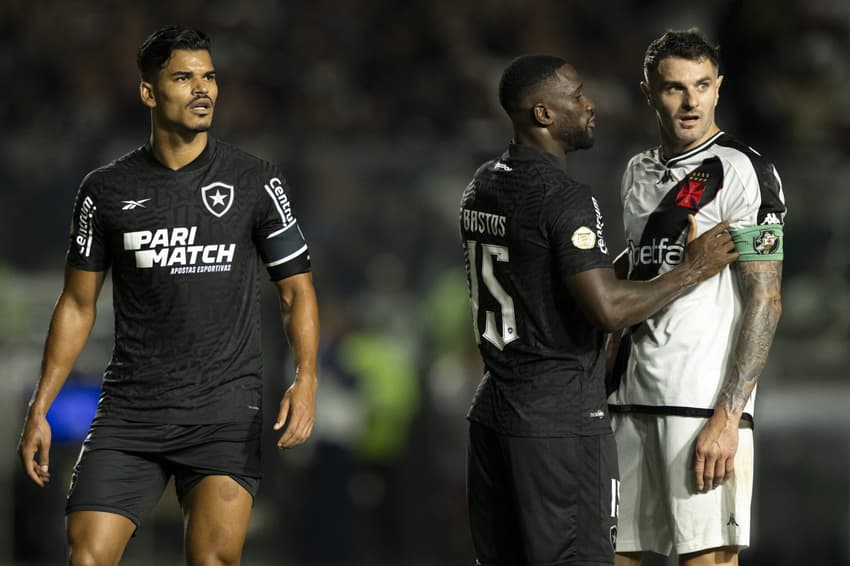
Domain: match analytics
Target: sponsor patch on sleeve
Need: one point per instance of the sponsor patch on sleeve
(584, 238)
(759, 243)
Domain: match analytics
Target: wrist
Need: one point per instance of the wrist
(728, 415)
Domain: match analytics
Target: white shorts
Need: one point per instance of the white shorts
(660, 508)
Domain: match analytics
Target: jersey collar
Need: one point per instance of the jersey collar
(203, 158)
(691, 152)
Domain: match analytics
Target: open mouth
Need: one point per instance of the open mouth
(201, 106)
(688, 120)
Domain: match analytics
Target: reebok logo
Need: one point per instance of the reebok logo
(131, 204)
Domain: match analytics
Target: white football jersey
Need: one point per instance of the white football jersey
(680, 356)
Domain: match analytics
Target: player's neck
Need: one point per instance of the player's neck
(542, 143)
(176, 150)
(671, 147)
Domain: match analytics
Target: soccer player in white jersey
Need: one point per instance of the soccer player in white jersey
(683, 410)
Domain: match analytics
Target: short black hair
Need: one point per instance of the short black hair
(689, 44)
(156, 50)
(523, 72)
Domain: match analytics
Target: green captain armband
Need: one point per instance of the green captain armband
(759, 243)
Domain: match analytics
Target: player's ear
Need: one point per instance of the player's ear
(719, 82)
(146, 94)
(541, 115)
(644, 88)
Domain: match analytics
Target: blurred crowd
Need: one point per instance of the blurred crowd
(379, 112)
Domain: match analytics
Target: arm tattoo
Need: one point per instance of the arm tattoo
(759, 283)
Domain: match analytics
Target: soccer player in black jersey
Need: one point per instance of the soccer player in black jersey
(182, 223)
(543, 477)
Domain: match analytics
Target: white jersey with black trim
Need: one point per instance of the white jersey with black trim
(680, 356)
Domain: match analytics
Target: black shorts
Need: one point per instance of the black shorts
(535, 501)
(124, 466)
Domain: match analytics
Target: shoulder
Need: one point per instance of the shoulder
(746, 163)
(642, 160)
(244, 160)
(116, 170)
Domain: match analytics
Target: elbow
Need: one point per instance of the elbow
(606, 319)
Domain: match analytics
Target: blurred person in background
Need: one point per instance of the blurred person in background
(542, 464)
(183, 223)
(683, 412)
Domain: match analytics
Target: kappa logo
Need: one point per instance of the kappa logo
(217, 198)
(732, 522)
(131, 204)
(771, 218)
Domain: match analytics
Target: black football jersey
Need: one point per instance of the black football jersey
(525, 226)
(184, 249)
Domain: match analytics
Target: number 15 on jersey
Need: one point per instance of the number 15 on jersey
(483, 281)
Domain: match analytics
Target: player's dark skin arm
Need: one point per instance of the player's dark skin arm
(611, 304)
(612, 342)
(300, 311)
(760, 283)
(72, 321)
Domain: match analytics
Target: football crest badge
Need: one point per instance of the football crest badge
(217, 198)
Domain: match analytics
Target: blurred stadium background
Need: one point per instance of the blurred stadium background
(379, 111)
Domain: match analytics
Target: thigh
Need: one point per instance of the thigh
(230, 449)
(216, 513)
(490, 502)
(706, 520)
(112, 481)
(644, 523)
(565, 491)
(216, 474)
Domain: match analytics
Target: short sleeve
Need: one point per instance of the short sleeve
(755, 206)
(576, 230)
(277, 235)
(87, 249)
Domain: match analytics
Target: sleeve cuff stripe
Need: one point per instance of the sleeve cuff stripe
(287, 258)
(281, 231)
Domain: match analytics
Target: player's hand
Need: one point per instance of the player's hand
(34, 449)
(716, 446)
(297, 412)
(707, 255)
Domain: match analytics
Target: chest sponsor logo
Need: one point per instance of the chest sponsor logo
(177, 249)
(692, 189)
(217, 198)
(766, 242)
(656, 252)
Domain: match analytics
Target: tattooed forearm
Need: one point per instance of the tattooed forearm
(760, 283)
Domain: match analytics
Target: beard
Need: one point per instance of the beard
(579, 139)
